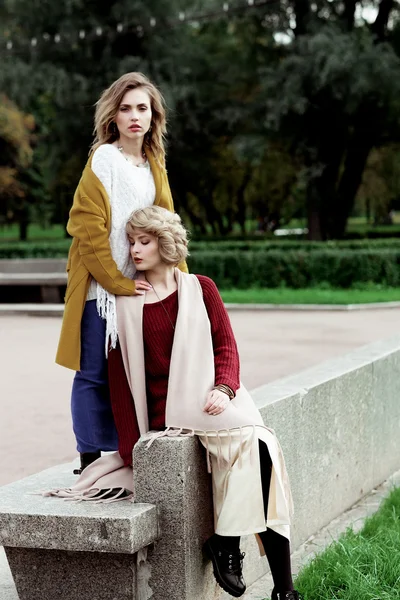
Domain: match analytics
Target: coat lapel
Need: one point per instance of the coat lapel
(156, 171)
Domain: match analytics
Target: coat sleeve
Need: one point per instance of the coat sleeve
(87, 223)
(167, 202)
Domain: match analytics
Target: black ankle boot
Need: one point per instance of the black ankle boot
(86, 459)
(293, 595)
(227, 566)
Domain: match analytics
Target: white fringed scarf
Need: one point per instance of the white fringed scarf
(192, 372)
(230, 438)
(129, 188)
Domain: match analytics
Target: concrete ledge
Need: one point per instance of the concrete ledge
(339, 426)
(32, 310)
(57, 310)
(314, 307)
(19, 266)
(49, 279)
(28, 520)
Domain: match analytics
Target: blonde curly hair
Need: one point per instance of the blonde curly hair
(167, 227)
(107, 106)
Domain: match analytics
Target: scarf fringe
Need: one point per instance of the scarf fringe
(181, 432)
(106, 307)
(89, 495)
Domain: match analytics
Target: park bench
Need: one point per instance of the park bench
(33, 280)
(63, 550)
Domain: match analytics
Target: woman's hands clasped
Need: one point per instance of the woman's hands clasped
(216, 403)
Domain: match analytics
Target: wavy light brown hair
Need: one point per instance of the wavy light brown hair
(108, 105)
(164, 225)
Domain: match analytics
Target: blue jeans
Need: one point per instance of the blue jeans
(92, 417)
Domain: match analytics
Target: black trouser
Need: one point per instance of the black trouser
(276, 546)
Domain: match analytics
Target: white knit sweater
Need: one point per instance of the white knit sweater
(129, 188)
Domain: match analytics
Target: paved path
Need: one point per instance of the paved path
(35, 427)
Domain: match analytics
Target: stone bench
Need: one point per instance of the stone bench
(43, 279)
(68, 550)
(63, 550)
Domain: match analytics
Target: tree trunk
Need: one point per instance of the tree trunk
(302, 11)
(241, 204)
(349, 13)
(350, 181)
(380, 24)
(214, 219)
(313, 224)
(322, 187)
(368, 209)
(196, 220)
(23, 228)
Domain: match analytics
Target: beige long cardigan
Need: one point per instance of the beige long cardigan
(231, 438)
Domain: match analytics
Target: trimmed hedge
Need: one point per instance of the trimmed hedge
(297, 269)
(284, 244)
(273, 266)
(59, 248)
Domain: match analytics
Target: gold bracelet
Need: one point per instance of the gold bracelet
(226, 390)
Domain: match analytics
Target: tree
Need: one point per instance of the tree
(335, 97)
(208, 72)
(253, 123)
(16, 157)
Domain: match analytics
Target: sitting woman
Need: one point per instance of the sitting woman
(176, 371)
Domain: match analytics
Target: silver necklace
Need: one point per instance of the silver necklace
(162, 304)
(130, 160)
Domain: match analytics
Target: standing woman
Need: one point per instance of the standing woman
(125, 172)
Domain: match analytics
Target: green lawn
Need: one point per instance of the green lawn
(362, 566)
(311, 296)
(35, 233)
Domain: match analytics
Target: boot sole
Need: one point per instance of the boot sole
(207, 548)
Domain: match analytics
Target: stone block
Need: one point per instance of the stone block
(65, 550)
(28, 520)
(172, 474)
(62, 575)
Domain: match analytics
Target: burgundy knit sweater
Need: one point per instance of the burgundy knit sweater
(158, 336)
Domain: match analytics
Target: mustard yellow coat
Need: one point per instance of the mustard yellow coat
(90, 255)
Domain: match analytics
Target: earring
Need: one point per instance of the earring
(149, 130)
(114, 128)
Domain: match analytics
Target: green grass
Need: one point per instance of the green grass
(10, 233)
(311, 295)
(359, 566)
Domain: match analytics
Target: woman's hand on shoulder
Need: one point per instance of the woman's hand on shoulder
(141, 287)
(216, 402)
